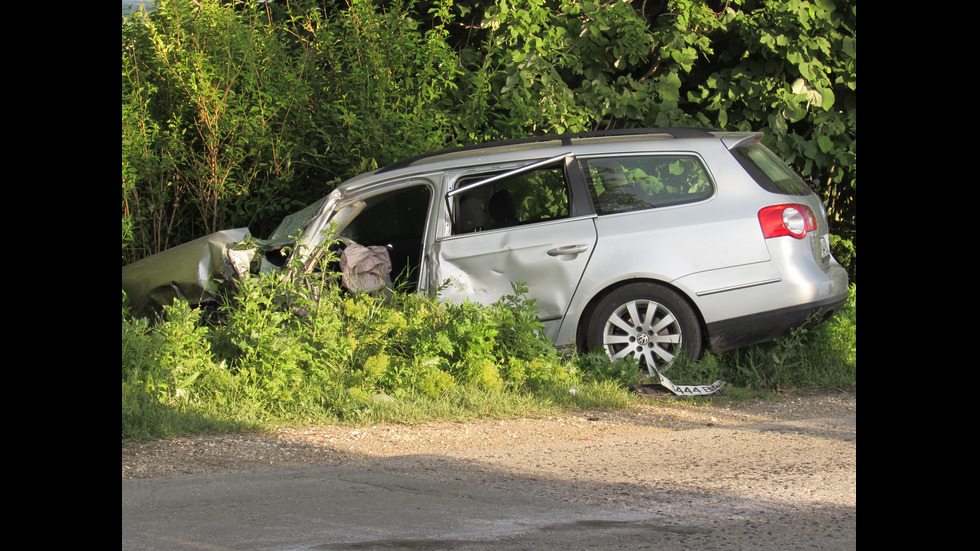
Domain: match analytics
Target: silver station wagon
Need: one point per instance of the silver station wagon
(644, 243)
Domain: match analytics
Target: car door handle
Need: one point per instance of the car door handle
(571, 249)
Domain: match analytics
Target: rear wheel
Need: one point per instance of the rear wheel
(647, 321)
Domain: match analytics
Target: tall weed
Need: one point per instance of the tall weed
(171, 381)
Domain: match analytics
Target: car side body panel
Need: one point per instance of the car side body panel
(482, 266)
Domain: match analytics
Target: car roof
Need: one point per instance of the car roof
(540, 147)
(556, 140)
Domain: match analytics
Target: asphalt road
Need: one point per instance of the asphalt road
(786, 484)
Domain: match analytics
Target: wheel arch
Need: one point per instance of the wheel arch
(582, 326)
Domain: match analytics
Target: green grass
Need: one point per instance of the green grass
(820, 357)
(408, 359)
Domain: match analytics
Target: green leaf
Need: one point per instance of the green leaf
(828, 98)
(825, 4)
(825, 143)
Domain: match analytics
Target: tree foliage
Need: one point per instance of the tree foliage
(210, 109)
(235, 112)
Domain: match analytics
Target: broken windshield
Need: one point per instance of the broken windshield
(295, 222)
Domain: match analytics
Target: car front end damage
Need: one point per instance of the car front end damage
(192, 271)
(196, 271)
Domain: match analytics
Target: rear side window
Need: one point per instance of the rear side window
(624, 184)
(769, 171)
(523, 198)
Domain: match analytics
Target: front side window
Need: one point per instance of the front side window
(629, 183)
(395, 220)
(392, 216)
(524, 198)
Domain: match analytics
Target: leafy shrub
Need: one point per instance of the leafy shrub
(168, 360)
(286, 348)
(235, 113)
(172, 382)
(293, 348)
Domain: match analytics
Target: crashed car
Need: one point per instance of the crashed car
(644, 243)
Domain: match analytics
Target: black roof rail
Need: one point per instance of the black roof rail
(566, 139)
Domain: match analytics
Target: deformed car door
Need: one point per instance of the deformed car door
(535, 239)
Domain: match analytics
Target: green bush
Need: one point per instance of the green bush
(406, 358)
(824, 356)
(287, 349)
(235, 114)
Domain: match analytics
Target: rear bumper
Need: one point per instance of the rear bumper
(765, 326)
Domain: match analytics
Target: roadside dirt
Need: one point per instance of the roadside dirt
(662, 415)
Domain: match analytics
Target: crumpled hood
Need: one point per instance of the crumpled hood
(191, 271)
(188, 271)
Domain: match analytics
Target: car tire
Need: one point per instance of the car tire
(647, 321)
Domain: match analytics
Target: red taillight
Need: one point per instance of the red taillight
(793, 220)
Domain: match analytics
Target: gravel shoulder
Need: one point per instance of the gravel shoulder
(215, 453)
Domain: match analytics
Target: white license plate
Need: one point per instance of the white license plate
(824, 246)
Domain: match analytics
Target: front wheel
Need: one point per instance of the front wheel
(647, 321)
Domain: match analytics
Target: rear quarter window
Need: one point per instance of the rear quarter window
(629, 183)
(769, 171)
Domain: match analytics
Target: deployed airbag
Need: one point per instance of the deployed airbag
(365, 269)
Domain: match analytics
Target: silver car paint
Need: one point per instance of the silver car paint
(731, 275)
(187, 271)
(552, 256)
(711, 251)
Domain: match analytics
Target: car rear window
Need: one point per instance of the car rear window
(629, 183)
(769, 171)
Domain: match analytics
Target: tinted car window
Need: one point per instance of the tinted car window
(623, 184)
(524, 198)
(769, 171)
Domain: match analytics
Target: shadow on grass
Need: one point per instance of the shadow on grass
(145, 419)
